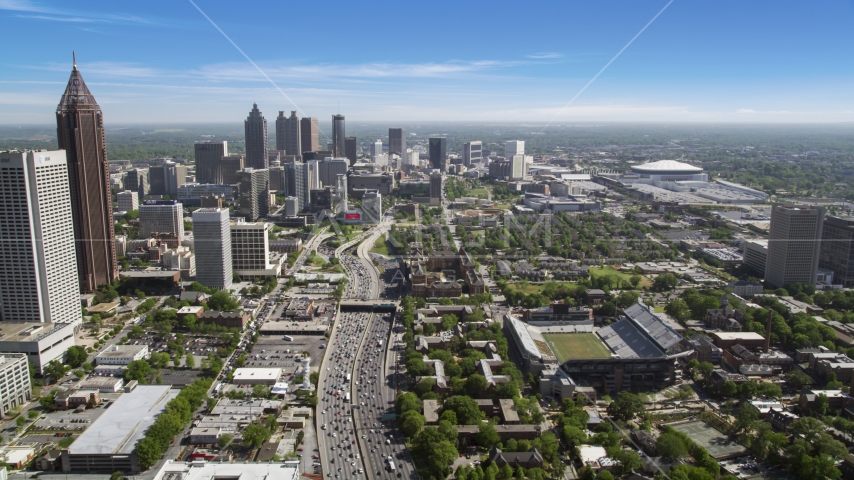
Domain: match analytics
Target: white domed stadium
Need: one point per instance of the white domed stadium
(669, 171)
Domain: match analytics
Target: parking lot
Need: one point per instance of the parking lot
(272, 351)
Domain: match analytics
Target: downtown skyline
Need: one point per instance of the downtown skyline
(725, 62)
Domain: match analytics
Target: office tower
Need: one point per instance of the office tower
(313, 175)
(288, 135)
(80, 132)
(309, 133)
(436, 185)
(15, 378)
(837, 249)
(793, 245)
(376, 149)
(329, 169)
(438, 154)
(254, 200)
(337, 135)
(372, 207)
(396, 141)
(277, 179)
(230, 166)
(38, 270)
(136, 180)
(256, 139)
(296, 179)
(127, 201)
(341, 192)
(514, 147)
(161, 216)
(167, 178)
(472, 153)
(517, 167)
(212, 245)
(250, 249)
(291, 206)
(381, 160)
(209, 161)
(350, 150)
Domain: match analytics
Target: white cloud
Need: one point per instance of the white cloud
(59, 15)
(545, 55)
(745, 110)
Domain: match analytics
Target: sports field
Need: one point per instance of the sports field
(716, 443)
(576, 345)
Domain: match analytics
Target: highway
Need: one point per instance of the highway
(354, 441)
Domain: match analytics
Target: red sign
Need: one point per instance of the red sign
(352, 216)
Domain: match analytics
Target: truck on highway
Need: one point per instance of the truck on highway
(347, 397)
(348, 377)
(289, 338)
(390, 465)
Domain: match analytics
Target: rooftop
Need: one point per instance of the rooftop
(122, 351)
(243, 374)
(124, 424)
(30, 332)
(666, 166)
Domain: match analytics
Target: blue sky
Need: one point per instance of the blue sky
(699, 61)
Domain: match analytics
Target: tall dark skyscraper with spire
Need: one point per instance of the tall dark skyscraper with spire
(80, 132)
(338, 142)
(256, 139)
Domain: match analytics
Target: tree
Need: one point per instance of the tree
(626, 406)
(54, 370)
(665, 281)
(769, 390)
(467, 410)
(671, 446)
(486, 436)
(408, 401)
(255, 435)
(224, 440)
(729, 389)
(475, 385)
(635, 280)
(411, 422)
(75, 356)
(604, 475)
(137, 370)
(222, 301)
(798, 379)
(678, 309)
(260, 391)
(190, 362)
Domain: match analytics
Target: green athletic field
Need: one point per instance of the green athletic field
(576, 345)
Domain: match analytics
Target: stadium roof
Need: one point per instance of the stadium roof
(527, 343)
(666, 166)
(627, 340)
(654, 326)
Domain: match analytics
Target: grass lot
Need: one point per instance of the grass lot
(597, 272)
(478, 192)
(380, 246)
(659, 309)
(576, 345)
(528, 288)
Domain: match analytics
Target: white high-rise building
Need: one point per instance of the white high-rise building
(38, 264)
(381, 160)
(250, 250)
(212, 245)
(161, 216)
(372, 207)
(472, 153)
(514, 147)
(127, 201)
(517, 167)
(376, 148)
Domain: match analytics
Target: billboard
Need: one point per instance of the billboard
(353, 216)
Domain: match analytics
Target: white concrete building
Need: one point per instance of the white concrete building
(103, 384)
(161, 216)
(212, 244)
(256, 376)
(41, 342)
(250, 250)
(196, 470)
(514, 147)
(15, 387)
(38, 264)
(127, 201)
(122, 354)
(181, 259)
(517, 167)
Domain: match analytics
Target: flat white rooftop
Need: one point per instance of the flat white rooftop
(256, 374)
(197, 470)
(118, 430)
(739, 336)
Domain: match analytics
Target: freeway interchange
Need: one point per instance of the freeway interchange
(357, 433)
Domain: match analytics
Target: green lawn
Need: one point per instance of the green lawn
(478, 192)
(380, 246)
(576, 345)
(597, 272)
(528, 288)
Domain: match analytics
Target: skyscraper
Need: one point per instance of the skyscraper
(256, 139)
(793, 245)
(513, 147)
(296, 175)
(372, 207)
(837, 249)
(136, 180)
(376, 149)
(38, 269)
(166, 178)
(127, 201)
(161, 216)
(438, 154)
(472, 153)
(337, 135)
(350, 149)
(436, 185)
(209, 161)
(309, 133)
(250, 250)
(253, 185)
(396, 141)
(230, 166)
(288, 135)
(517, 167)
(329, 169)
(212, 245)
(80, 132)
